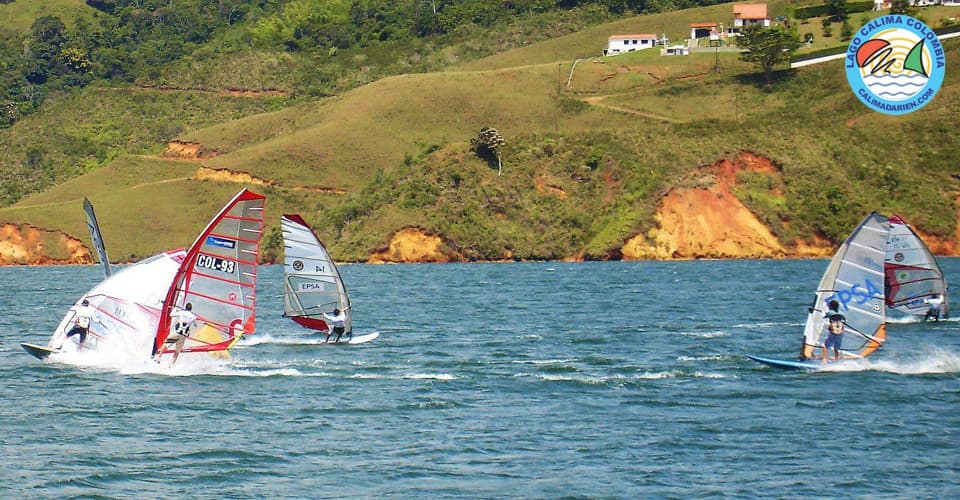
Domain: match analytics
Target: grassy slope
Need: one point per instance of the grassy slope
(380, 143)
(340, 142)
(19, 16)
(80, 132)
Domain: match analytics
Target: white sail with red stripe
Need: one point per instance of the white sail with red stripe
(311, 281)
(218, 277)
(915, 285)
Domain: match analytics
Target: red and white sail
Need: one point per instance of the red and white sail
(913, 277)
(218, 277)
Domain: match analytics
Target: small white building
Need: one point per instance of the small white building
(702, 30)
(621, 44)
(675, 50)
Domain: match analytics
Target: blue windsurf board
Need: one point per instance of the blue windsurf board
(788, 364)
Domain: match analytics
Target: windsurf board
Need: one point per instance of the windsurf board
(357, 339)
(788, 364)
(38, 351)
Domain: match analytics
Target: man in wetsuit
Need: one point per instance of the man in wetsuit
(835, 327)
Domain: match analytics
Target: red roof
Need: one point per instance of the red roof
(750, 11)
(703, 25)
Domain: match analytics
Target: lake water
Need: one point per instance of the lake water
(543, 380)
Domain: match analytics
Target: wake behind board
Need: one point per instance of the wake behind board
(357, 339)
(38, 351)
(787, 364)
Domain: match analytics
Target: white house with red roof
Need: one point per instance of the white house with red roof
(750, 14)
(621, 44)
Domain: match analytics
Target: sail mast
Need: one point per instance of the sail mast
(96, 237)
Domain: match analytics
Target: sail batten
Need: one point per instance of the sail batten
(225, 280)
(866, 247)
(878, 272)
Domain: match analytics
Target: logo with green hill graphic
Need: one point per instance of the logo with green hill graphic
(895, 64)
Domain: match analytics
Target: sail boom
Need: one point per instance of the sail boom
(868, 312)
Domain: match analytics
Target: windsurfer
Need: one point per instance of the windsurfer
(835, 329)
(81, 322)
(935, 303)
(183, 320)
(338, 321)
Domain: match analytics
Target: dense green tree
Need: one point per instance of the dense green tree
(47, 36)
(767, 47)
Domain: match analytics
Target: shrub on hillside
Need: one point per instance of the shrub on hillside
(487, 145)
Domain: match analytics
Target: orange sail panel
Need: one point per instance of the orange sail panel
(218, 278)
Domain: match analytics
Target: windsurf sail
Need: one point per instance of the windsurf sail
(127, 307)
(915, 284)
(218, 277)
(95, 236)
(855, 279)
(312, 282)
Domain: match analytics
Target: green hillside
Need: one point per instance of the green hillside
(584, 164)
(20, 15)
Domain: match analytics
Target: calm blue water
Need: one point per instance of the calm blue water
(536, 380)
